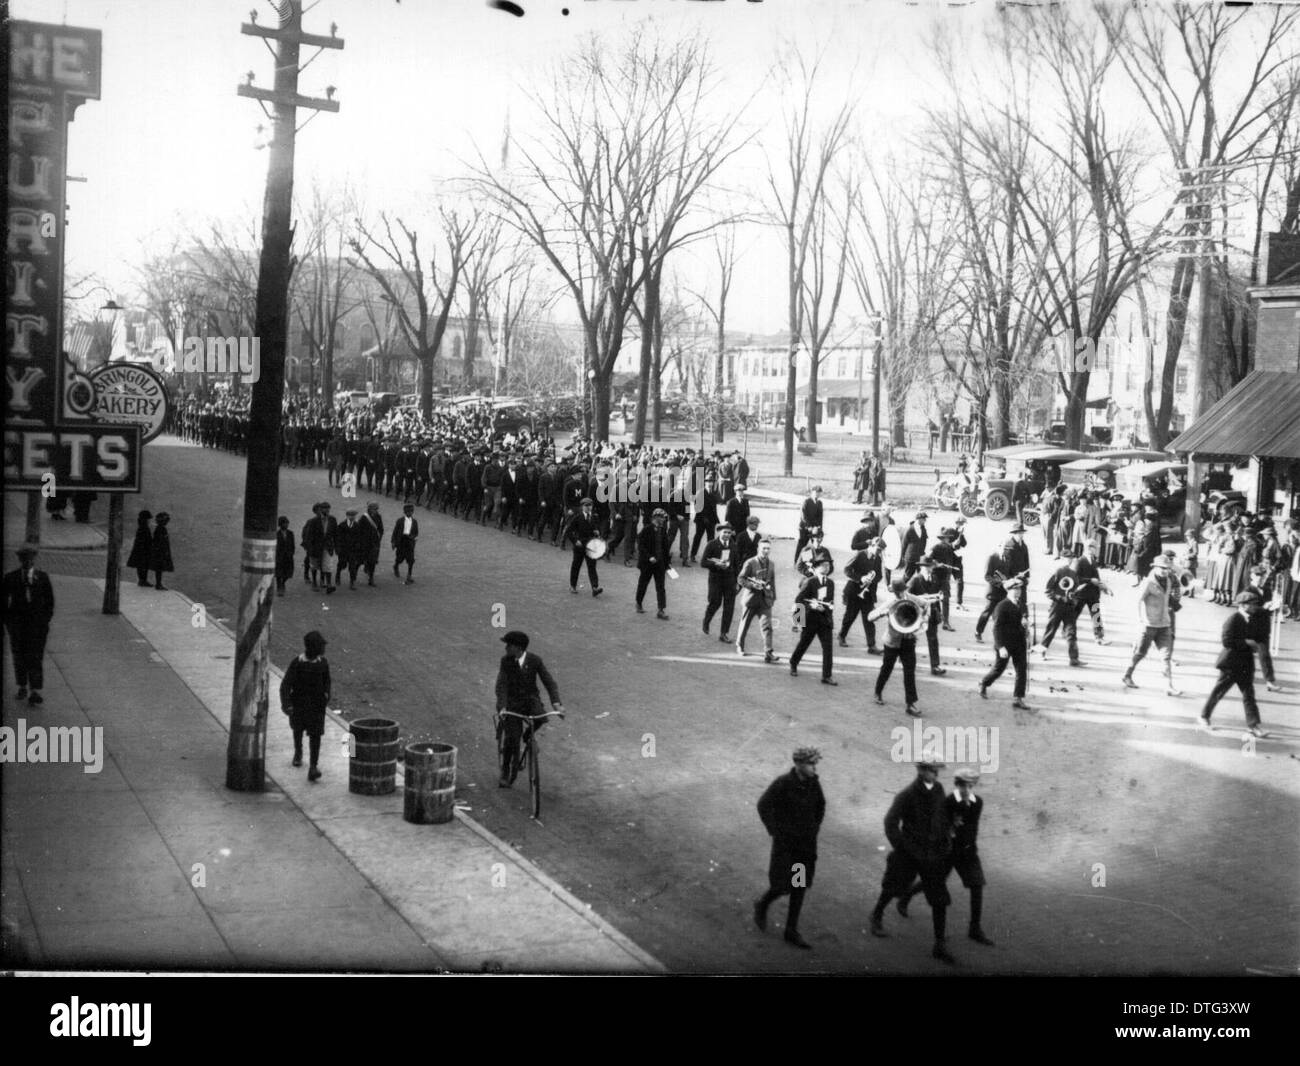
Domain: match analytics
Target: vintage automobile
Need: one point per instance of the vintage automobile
(1044, 468)
(1162, 485)
(1090, 473)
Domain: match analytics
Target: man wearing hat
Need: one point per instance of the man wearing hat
(28, 610)
(1158, 600)
(792, 809)
(1236, 664)
(946, 564)
(861, 583)
(758, 578)
(913, 544)
(815, 613)
(405, 531)
(1011, 561)
(516, 691)
(868, 531)
(810, 519)
(1009, 643)
(899, 647)
(351, 549)
(722, 561)
(582, 530)
(1262, 584)
(1066, 605)
(706, 514)
(964, 808)
(918, 830)
(737, 514)
(924, 585)
(653, 545)
(372, 539)
(305, 696)
(807, 560)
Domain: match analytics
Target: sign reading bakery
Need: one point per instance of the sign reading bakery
(130, 394)
(52, 70)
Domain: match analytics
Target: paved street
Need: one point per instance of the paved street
(1193, 836)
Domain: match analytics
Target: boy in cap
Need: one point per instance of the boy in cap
(28, 609)
(792, 810)
(918, 830)
(964, 808)
(1010, 643)
(304, 697)
(405, 531)
(516, 691)
(582, 530)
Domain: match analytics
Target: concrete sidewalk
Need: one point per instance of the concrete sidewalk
(65, 535)
(151, 863)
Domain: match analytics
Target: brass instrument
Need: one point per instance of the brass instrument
(1000, 579)
(1066, 585)
(906, 616)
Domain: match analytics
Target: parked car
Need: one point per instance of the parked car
(1044, 469)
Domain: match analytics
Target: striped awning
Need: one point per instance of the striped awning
(1260, 417)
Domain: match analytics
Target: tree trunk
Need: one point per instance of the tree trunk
(898, 420)
(643, 386)
(814, 374)
(1004, 391)
(1075, 399)
(426, 384)
(1180, 290)
(719, 368)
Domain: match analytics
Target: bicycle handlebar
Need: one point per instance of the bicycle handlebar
(531, 717)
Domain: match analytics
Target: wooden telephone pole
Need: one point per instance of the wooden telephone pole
(246, 753)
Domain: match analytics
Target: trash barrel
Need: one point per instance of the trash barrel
(430, 783)
(372, 770)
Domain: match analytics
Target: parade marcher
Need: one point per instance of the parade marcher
(1089, 591)
(947, 564)
(748, 539)
(723, 564)
(738, 510)
(1011, 562)
(516, 691)
(160, 550)
(868, 531)
(706, 514)
(964, 808)
(582, 530)
(924, 586)
(1157, 603)
(351, 552)
(1009, 643)
(959, 575)
(861, 583)
(653, 546)
(142, 549)
(327, 540)
(816, 598)
(1064, 588)
(758, 579)
(899, 647)
(917, 828)
(309, 539)
(305, 696)
(405, 531)
(913, 544)
(1261, 623)
(810, 520)
(1236, 665)
(372, 539)
(28, 611)
(792, 809)
(807, 561)
(284, 551)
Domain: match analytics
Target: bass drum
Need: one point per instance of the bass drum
(596, 548)
(893, 553)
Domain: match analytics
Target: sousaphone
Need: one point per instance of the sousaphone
(907, 616)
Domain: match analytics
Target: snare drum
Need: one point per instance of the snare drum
(596, 548)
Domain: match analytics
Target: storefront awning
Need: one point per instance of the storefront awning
(1260, 417)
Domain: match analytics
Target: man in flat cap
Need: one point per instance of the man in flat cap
(516, 692)
(583, 529)
(918, 829)
(925, 586)
(1236, 664)
(792, 810)
(406, 530)
(1158, 600)
(28, 609)
(912, 547)
(810, 520)
(1010, 643)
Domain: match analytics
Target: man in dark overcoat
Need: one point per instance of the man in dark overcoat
(792, 810)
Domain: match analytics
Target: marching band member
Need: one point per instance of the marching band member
(1157, 603)
(810, 521)
(582, 530)
(722, 561)
(899, 647)
(1011, 561)
(806, 563)
(758, 579)
(654, 543)
(925, 586)
(861, 583)
(947, 564)
(1063, 590)
(817, 599)
(1009, 641)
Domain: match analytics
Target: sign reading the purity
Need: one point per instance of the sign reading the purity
(52, 70)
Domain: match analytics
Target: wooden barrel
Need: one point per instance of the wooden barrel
(372, 770)
(430, 783)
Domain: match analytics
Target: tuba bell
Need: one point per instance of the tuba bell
(906, 616)
(1066, 585)
(1185, 581)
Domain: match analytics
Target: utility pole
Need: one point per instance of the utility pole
(246, 752)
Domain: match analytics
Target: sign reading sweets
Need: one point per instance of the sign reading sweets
(52, 70)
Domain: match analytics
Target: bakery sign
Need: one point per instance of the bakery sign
(53, 69)
(129, 394)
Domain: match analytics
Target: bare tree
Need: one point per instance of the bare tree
(421, 299)
(1175, 57)
(724, 248)
(823, 283)
(225, 258)
(325, 286)
(798, 191)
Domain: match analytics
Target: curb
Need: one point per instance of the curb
(583, 910)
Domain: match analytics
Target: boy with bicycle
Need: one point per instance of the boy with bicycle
(516, 691)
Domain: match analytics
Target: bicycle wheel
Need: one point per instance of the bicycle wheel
(534, 776)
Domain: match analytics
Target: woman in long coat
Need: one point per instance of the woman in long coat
(160, 550)
(304, 696)
(141, 549)
(1245, 559)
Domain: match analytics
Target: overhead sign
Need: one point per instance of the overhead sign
(52, 70)
(130, 394)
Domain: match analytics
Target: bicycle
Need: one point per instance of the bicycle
(527, 752)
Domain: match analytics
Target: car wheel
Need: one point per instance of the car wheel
(969, 504)
(997, 506)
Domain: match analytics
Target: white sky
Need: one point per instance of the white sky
(170, 144)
